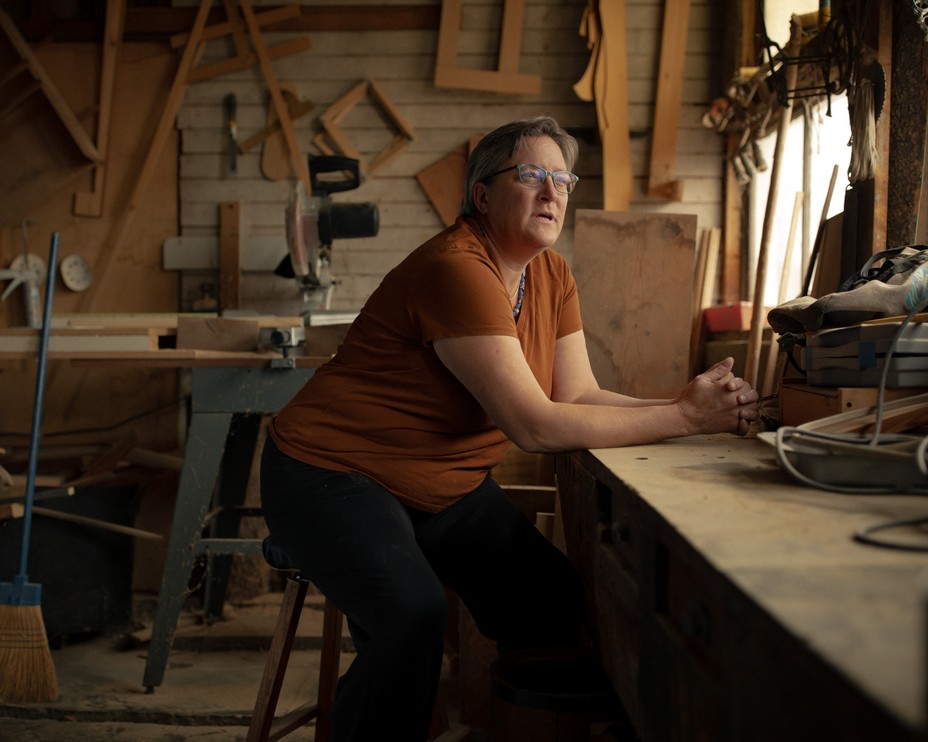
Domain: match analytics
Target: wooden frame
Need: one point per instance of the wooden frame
(506, 78)
(336, 113)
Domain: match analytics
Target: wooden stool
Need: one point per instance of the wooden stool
(264, 726)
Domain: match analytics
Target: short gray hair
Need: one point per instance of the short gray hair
(500, 144)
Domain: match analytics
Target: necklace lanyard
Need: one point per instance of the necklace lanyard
(518, 307)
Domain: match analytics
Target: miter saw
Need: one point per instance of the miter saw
(314, 221)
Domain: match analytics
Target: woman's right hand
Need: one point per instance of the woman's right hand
(717, 401)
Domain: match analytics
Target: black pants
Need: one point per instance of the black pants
(385, 564)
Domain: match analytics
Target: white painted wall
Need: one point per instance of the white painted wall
(402, 63)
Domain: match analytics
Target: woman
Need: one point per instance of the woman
(375, 478)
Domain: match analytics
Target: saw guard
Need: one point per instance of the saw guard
(301, 218)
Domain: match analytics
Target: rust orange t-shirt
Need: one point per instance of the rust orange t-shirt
(387, 407)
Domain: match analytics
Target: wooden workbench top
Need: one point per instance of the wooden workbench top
(790, 549)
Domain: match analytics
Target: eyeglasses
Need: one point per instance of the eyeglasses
(533, 176)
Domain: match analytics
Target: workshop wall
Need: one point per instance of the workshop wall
(402, 64)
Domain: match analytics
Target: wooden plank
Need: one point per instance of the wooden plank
(83, 520)
(605, 82)
(280, 105)
(634, 274)
(230, 255)
(662, 180)
(91, 203)
(233, 64)
(235, 26)
(173, 358)
(155, 21)
(65, 341)
(50, 90)
(218, 333)
(162, 132)
(704, 296)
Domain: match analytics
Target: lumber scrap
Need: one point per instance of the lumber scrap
(638, 337)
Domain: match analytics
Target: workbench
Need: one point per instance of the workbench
(730, 603)
(227, 404)
(230, 392)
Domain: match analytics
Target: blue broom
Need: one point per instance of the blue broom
(27, 673)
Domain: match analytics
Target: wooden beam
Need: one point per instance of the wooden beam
(163, 130)
(91, 203)
(169, 21)
(156, 23)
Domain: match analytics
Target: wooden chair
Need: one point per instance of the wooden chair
(265, 726)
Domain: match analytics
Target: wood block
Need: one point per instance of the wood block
(634, 274)
(217, 333)
(443, 183)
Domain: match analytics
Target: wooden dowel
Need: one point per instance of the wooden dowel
(758, 317)
(97, 523)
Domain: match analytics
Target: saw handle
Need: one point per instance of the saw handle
(332, 164)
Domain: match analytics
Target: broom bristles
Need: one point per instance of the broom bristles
(27, 673)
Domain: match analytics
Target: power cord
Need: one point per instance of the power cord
(910, 448)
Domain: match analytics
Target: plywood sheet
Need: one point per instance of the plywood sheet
(634, 274)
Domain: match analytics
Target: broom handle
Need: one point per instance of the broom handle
(37, 407)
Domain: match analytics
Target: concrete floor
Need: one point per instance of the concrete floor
(208, 691)
(209, 687)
